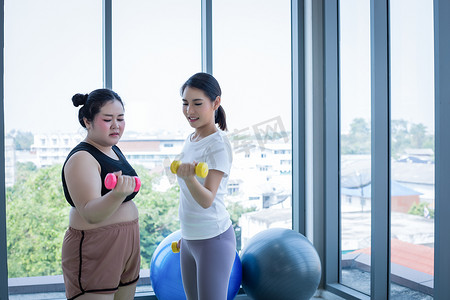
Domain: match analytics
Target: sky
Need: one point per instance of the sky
(53, 50)
(411, 58)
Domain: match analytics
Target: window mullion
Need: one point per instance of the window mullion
(107, 43)
(207, 62)
(380, 164)
(298, 116)
(331, 95)
(3, 247)
(442, 144)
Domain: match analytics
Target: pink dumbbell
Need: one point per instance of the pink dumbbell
(111, 181)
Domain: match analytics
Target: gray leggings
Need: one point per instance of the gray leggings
(206, 266)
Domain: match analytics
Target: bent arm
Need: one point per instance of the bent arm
(205, 194)
(82, 173)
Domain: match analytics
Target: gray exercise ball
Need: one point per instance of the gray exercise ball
(280, 264)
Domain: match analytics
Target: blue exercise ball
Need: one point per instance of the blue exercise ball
(165, 272)
(280, 264)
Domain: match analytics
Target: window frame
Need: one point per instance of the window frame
(441, 10)
(380, 213)
(298, 116)
(55, 283)
(380, 259)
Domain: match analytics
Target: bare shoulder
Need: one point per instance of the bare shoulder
(81, 161)
(82, 174)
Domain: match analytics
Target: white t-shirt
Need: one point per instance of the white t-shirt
(198, 223)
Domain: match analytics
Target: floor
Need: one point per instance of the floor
(320, 294)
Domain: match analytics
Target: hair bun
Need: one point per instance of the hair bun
(79, 99)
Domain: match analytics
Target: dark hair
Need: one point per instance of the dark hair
(93, 102)
(209, 85)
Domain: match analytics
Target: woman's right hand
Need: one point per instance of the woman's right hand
(186, 170)
(125, 184)
(82, 173)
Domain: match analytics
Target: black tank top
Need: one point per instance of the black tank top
(107, 165)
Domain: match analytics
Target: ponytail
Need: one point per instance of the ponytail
(221, 118)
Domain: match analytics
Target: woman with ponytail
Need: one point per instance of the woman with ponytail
(208, 242)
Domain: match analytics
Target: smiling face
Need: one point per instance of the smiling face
(199, 109)
(108, 125)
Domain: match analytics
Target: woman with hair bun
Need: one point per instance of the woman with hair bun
(101, 248)
(208, 242)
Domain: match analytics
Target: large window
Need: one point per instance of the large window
(252, 61)
(355, 143)
(412, 148)
(381, 137)
(380, 88)
(156, 46)
(52, 51)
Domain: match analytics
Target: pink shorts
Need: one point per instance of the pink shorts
(101, 260)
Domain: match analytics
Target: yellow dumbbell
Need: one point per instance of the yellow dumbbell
(201, 169)
(174, 247)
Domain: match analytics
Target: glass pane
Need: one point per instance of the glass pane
(355, 143)
(252, 62)
(156, 48)
(52, 51)
(412, 149)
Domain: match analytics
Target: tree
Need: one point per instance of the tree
(37, 217)
(22, 140)
(358, 139)
(418, 135)
(236, 211)
(399, 136)
(403, 136)
(24, 170)
(406, 136)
